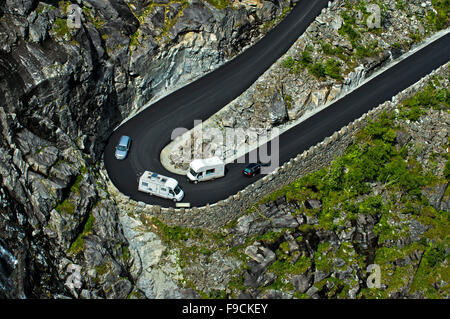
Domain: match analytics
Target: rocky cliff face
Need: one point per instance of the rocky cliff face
(63, 88)
(371, 224)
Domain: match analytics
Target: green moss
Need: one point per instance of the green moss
(75, 188)
(63, 5)
(298, 295)
(78, 245)
(344, 190)
(176, 233)
(288, 62)
(318, 70)
(430, 273)
(102, 269)
(220, 4)
(440, 19)
(97, 21)
(429, 97)
(61, 29)
(270, 237)
(66, 207)
(447, 170)
(135, 294)
(348, 29)
(333, 69)
(126, 253)
(369, 50)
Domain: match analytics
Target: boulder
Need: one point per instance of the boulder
(262, 255)
(402, 138)
(435, 195)
(267, 12)
(313, 292)
(278, 112)
(284, 220)
(38, 27)
(313, 204)
(298, 108)
(120, 289)
(302, 282)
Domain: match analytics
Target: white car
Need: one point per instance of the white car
(201, 170)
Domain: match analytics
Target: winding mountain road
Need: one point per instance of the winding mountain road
(151, 129)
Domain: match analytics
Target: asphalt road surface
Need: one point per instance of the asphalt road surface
(151, 129)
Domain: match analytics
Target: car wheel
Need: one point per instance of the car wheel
(174, 199)
(196, 182)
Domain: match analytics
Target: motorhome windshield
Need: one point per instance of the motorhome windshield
(177, 190)
(193, 173)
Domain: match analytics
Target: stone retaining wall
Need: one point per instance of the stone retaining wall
(316, 157)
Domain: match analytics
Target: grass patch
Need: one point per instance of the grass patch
(220, 4)
(65, 207)
(429, 97)
(78, 245)
(61, 29)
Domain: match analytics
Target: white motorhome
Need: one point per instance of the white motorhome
(162, 186)
(205, 169)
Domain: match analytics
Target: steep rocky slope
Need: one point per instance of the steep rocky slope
(373, 224)
(63, 88)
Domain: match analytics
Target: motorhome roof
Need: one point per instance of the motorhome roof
(164, 180)
(200, 163)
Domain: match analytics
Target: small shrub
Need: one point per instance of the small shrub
(306, 58)
(288, 100)
(434, 255)
(60, 28)
(66, 206)
(447, 170)
(369, 50)
(318, 70)
(333, 69)
(371, 205)
(400, 5)
(288, 63)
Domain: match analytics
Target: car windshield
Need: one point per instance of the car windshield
(121, 148)
(247, 170)
(177, 190)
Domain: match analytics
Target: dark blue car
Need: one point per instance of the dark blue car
(252, 169)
